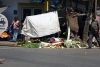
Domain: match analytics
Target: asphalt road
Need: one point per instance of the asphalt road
(31, 57)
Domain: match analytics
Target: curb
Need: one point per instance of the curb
(7, 43)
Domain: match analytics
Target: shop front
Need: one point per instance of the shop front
(22, 8)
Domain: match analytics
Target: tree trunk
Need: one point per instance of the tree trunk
(86, 30)
(86, 27)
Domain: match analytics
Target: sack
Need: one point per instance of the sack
(10, 29)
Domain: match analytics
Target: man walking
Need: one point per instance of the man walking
(94, 32)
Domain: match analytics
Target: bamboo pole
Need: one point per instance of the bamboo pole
(47, 5)
(67, 21)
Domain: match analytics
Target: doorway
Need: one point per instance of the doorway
(26, 12)
(28, 9)
(37, 11)
(31, 11)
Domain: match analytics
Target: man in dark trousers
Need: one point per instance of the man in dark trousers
(94, 32)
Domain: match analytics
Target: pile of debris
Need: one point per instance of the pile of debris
(52, 43)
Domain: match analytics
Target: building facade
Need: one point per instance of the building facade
(22, 8)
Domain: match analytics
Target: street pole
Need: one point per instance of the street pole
(47, 5)
(76, 4)
(67, 21)
(95, 7)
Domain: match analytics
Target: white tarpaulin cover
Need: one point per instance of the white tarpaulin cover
(41, 25)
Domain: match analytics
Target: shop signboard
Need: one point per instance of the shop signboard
(36, 1)
(3, 23)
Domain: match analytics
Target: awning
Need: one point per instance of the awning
(3, 9)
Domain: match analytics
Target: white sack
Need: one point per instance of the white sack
(41, 25)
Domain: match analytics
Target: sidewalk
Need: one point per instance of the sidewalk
(7, 43)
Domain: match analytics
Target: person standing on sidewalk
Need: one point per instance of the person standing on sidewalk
(94, 32)
(15, 25)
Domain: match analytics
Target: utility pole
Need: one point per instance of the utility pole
(47, 5)
(95, 7)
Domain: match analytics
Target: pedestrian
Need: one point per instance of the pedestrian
(15, 25)
(94, 32)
